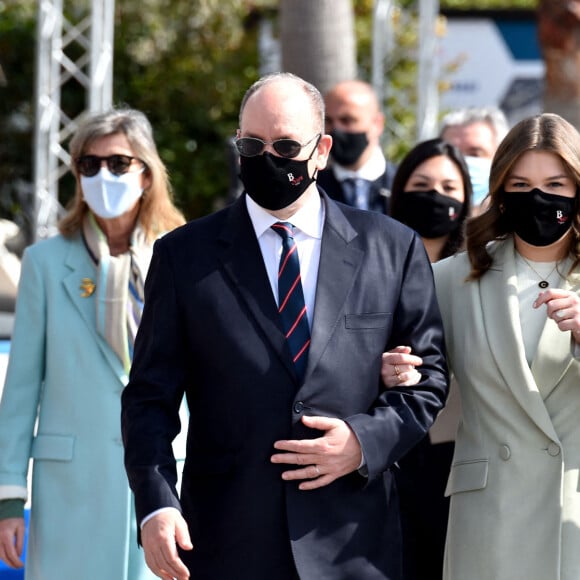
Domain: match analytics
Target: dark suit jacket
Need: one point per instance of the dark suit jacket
(211, 330)
(379, 191)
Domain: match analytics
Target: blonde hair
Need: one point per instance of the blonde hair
(157, 213)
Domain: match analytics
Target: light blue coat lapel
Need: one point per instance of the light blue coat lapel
(81, 266)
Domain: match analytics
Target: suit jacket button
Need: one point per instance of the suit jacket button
(553, 449)
(505, 452)
(298, 407)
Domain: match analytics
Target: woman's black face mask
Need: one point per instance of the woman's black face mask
(430, 213)
(537, 217)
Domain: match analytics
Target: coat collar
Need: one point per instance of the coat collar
(500, 311)
(554, 353)
(340, 261)
(77, 283)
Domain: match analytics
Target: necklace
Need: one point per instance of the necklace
(543, 283)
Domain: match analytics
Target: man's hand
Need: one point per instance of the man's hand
(159, 537)
(322, 460)
(12, 541)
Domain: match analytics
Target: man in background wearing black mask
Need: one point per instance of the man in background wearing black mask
(359, 174)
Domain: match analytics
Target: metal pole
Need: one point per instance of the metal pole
(101, 66)
(382, 42)
(428, 75)
(49, 31)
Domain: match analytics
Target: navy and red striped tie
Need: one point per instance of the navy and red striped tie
(291, 305)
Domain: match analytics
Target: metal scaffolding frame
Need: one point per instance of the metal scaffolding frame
(74, 44)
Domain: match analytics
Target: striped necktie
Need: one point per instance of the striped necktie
(291, 305)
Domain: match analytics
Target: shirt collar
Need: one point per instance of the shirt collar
(371, 170)
(308, 219)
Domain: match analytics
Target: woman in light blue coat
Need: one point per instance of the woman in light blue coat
(78, 308)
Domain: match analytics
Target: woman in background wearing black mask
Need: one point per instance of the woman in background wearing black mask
(432, 194)
(511, 310)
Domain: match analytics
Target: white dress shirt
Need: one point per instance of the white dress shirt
(308, 222)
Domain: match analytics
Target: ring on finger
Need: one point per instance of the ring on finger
(317, 470)
(560, 313)
(397, 370)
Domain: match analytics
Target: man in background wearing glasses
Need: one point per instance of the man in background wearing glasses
(271, 316)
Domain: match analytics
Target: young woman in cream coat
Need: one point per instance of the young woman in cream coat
(511, 311)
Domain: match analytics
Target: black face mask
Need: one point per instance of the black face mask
(347, 147)
(539, 218)
(275, 182)
(429, 213)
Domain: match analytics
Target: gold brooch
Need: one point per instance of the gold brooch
(87, 286)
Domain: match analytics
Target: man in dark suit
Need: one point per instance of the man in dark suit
(291, 437)
(359, 175)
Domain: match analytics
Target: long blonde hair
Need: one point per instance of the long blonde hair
(157, 213)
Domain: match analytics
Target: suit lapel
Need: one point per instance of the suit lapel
(80, 267)
(243, 262)
(500, 311)
(553, 356)
(339, 265)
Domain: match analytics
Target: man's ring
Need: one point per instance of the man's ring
(317, 470)
(397, 370)
(560, 314)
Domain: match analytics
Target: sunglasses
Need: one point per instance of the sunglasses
(251, 146)
(90, 165)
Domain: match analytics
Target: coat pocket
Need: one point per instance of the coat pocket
(467, 476)
(53, 447)
(370, 321)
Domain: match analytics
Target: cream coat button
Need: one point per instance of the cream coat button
(553, 449)
(505, 452)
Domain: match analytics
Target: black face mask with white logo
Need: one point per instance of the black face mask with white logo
(275, 182)
(537, 217)
(347, 147)
(430, 213)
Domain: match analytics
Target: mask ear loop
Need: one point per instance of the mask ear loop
(315, 174)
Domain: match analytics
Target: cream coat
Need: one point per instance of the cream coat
(514, 483)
